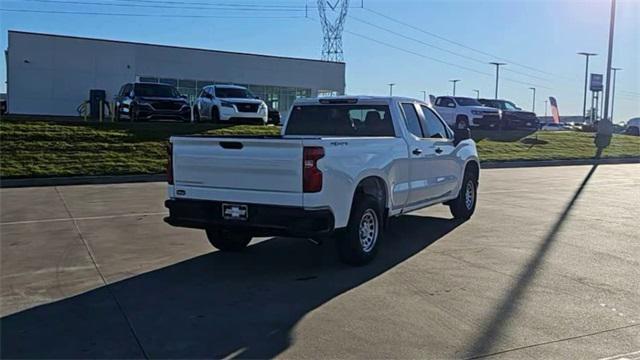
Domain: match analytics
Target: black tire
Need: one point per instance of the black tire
(215, 115)
(462, 122)
(132, 113)
(463, 207)
(116, 113)
(228, 240)
(354, 247)
(196, 114)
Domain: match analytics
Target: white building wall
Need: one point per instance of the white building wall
(52, 75)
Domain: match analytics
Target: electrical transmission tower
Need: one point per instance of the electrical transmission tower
(333, 14)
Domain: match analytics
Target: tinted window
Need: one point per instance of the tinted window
(446, 102)
(222, 92)
(153, 90)
(467, 102)
(340, 120)
(434, 127)
(411, 119)
(126, 91)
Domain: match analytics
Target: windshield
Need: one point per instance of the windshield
(155, 90)
(239, 93)
(340, 120)
(492, 103)
(510, 106)
(467, 102)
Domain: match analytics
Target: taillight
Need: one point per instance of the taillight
(311, 175)
(170, 163)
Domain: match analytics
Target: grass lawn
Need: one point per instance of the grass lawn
(38, 148)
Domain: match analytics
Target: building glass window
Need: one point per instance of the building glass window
(172, 82)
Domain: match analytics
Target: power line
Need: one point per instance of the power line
(129, 5)
(456, 43)
(435, 59)
(148, 15)
(438, 47)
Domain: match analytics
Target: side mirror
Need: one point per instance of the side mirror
(460, 135)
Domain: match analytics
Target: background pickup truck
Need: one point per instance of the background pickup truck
(341, 167)
(462, 112)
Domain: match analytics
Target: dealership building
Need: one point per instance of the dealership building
(52, 74)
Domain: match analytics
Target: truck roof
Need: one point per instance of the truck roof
(344, 99)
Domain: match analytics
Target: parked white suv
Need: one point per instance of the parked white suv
(341, 167)
(226, 103)
(462, 112)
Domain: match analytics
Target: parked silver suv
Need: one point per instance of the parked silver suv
(230, 103)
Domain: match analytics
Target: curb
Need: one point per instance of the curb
(120, 179)
(544, 163)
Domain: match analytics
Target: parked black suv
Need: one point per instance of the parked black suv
(146, 101)
(512, 116)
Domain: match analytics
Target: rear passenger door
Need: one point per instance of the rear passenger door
(422, 165)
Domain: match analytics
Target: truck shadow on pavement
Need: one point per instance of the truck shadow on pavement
(211, 306)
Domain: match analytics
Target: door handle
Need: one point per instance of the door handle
(438, 151)
(417, 151)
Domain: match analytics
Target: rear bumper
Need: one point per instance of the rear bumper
(263, 220)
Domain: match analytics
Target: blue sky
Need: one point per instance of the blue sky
(542, 35)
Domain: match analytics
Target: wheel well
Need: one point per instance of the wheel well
(462, 117)
(375, 187)
(473, 168)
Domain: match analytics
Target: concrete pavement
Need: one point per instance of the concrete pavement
(547, 268)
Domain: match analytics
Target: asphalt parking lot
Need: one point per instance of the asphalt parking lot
(547, 268)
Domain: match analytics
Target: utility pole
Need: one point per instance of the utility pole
(477, 93)
(586, 78)
(391, 89)
(533, 104)
(454, 85)
(613, 90)
(605, 127)
(545, 107)
(424, 95)
(497, 64)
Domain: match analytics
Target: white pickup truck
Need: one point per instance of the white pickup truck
(462, 112)
(341, 167)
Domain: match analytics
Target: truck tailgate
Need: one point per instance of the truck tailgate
(262, 170)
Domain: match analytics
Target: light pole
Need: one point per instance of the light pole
(391, 89)
(605, 126)
(586, 75)
(477, 93)
(545, 107)
(454, 85)
(533, 104)
(613, 90)
(424, 95)
(497, 64)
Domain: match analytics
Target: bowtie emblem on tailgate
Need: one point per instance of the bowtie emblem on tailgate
(235, 212)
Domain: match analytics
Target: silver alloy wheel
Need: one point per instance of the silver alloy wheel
(368, 230)
(469, 195)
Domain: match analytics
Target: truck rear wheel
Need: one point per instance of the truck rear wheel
(358, 243)
(464, 205)
(227, 240)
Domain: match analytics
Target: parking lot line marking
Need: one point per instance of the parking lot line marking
(556, 341)
(622, 356)
(82, 218)
(104, 279)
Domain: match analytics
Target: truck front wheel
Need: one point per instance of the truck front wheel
(358, 243)
(227, 240)
(464, 205)
(462, 122)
